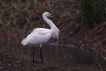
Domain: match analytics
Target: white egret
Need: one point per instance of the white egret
(41, 35)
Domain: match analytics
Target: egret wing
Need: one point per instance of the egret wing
(40, 31)
(38, 36)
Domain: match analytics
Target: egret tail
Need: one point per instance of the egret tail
(24, 42)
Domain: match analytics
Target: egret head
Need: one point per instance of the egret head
(47, 14)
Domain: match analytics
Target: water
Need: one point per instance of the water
(64, 55)
(68, 55)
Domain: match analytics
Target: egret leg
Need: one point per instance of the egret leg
(41, 55)
(33, 53)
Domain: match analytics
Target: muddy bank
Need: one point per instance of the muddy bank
(8, 63)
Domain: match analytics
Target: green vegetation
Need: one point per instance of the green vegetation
(92, 10)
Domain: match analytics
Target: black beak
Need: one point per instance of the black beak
(51, 15)
(55, 16)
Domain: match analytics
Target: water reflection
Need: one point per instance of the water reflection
(58, 54)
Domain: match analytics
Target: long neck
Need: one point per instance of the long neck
(48, 21)
(54, 29)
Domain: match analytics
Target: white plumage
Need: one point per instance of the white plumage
(42, 35)
(38, 36)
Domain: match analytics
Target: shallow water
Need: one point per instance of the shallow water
(64, 55)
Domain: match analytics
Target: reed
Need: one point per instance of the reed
(92, 10)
